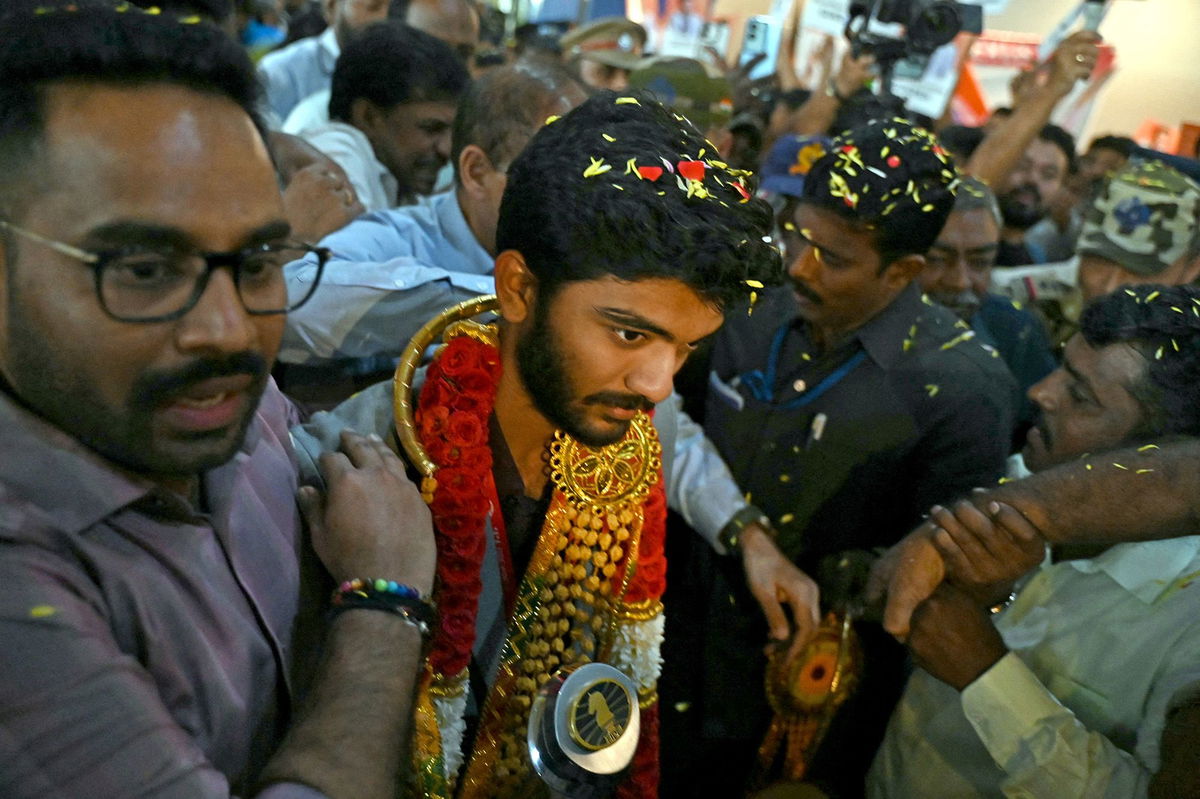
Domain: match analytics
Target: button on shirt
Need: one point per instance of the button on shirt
(390, 273)
(374, 183)
(1100, 651)
(298, 70)
(146, 645)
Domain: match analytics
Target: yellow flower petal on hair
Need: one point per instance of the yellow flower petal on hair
(1152, 295)
(552, 118)
(608, 138)
(754, 284)
(627, 101)
(1147, 447)
(597, 167)
(1119, 466)
(1143, 471)
(933, 389)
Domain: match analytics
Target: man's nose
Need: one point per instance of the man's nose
(219, 321)
(805, 264)
(654, 377)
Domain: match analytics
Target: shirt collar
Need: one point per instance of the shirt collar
(328, 50)
(458, 233)
(1146, 569)
(72, 483)
(884, 334)
(52, 471)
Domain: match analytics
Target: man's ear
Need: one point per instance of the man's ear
(516, 287)
(903, 270)
(328, 7)
(365, 116)
(473, 166)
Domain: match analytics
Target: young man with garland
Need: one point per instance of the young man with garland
(552, 443)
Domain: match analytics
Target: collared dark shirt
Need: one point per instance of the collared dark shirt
(921, 414)
(146, 645)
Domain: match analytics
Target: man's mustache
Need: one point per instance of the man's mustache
(803, 289)
(153, 388)
(612, 399)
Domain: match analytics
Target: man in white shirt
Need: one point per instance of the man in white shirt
(455, 22)
(392, 102)
(1084, 684)
(294, 72)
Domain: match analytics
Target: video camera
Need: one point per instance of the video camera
(927, 25)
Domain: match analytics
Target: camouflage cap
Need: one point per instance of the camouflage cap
(1144, 218)
(687, 87)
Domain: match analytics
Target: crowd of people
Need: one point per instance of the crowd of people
(390, 408)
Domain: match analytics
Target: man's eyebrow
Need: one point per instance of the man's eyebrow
(1075, 373)
(827, 250)
(634, 320)
(125, 233)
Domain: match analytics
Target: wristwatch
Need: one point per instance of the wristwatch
(730, 536)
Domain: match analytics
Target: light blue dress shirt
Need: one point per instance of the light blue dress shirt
(391, 272)
(298, 70)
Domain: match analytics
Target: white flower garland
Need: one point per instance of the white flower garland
(452, 726)
(637, 651)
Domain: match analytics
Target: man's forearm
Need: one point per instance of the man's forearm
(1127, 495)
(354, 730)
(1000, 151)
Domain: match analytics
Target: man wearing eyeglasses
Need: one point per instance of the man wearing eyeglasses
(155, 606)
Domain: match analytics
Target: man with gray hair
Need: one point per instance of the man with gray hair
(957, 274)
(392, 269)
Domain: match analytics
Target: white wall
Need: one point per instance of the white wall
(1158, 58)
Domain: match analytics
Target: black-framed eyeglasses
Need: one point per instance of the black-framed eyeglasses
(146, 284)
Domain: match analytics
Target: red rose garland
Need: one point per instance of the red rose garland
(452, 423)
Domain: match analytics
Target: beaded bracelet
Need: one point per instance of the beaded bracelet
(360, 586)
(386, 595)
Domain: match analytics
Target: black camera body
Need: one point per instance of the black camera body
(928, 24)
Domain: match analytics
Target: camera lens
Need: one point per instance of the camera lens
(936, 24)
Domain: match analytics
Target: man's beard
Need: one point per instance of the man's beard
(1021, 215)
(125, 434)
(542, 366)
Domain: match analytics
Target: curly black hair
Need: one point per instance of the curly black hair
(1162, 323)
(622, 186)
(889, 177)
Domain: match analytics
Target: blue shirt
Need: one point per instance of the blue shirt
(391, 271)
(293, 73)
(1019, 337)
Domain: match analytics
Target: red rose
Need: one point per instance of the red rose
(438, 451)
(465, 430)
(476, 459)
(432, 421)
(476, 382)
(456, 480)
(456, 357)
(469, 506)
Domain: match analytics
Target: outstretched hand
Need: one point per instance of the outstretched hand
(774, 580)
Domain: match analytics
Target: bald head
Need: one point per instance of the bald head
(455, 22)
